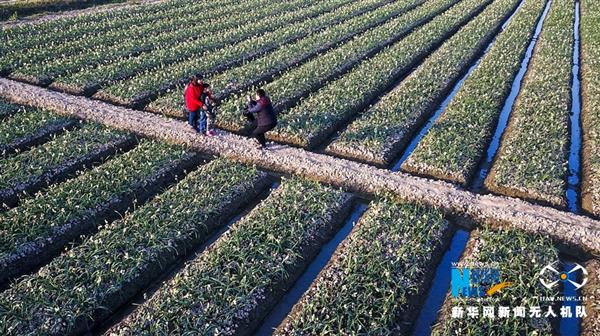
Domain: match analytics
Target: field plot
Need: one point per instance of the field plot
(366, 285)
(590, 78)
(379, 132)
(532, 160)
(288, 28)
(56, 160)
(519, 256)
(19, 8)
(454, 146)
(117, 218)
(31, 127)
(325, 108)
(270, 65)
(66, 211)
(111, 266)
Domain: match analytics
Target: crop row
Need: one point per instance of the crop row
(532, 159)
(590, 80)
(7, 109)
(153, 80)
(375, 275)
(53, 161)
(454, 146)
(10, 9)
(266, 67)
(287, 89)
(30, 127)
(590, 325)
(41, 226)
(174, 52)
(82, 286)
(35, 55)
(55, 32)
(312, 120)
(381, 132)
(63, 30)
(519, 258)
(230, 287)
(170, 39)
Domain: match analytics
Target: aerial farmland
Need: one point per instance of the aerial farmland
(330, 167)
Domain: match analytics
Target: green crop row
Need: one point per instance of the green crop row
(25, 8)
(301, 81)
(230, 287)
(457, 141)
(590, 114)
(380, 133)
(43, 161)
(174, 53)
(532, 159)
(169, 38)
(55, 32)
(315, 118)
(7, 109)
(373, 275)
(590, 325)
(287, 56)
(40, 226)
(519, 258)
(267, 35)
(43, 60)
(79, 288)
(26, 123)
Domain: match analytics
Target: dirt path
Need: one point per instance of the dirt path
(576, 232)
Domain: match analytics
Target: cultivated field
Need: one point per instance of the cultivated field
(404, 128)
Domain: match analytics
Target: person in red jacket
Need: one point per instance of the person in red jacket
(194, 105)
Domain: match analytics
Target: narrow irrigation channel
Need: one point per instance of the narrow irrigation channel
(440, 284)
(570, 326)
(573, 180)
(486, 164)
(283, 308)
(144, 295)
(442, 107)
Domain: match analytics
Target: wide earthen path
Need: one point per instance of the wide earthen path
(577, 233)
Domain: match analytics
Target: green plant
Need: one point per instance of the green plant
(225, 289)
(590, 114)
(457, 141)
(26, 123)
(62, 149)
(290, 55)
(519, 257)
(379, 133)
(532, 159)
(369, 281)
(108, 268)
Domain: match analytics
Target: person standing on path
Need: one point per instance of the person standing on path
(266, 119)
(194, 105)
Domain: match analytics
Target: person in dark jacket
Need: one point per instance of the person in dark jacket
(194, 105)
(265, 116)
